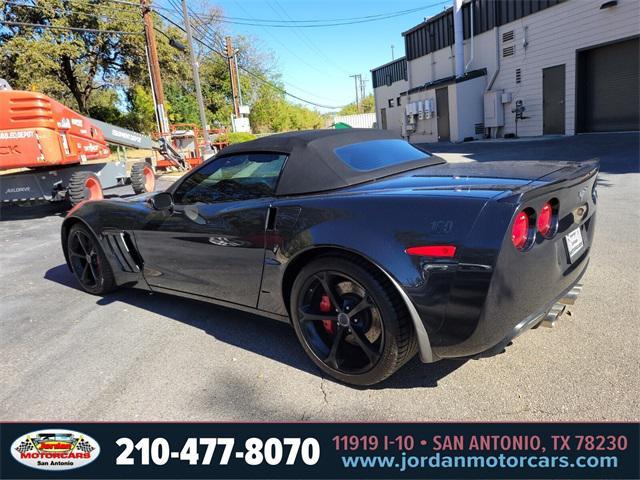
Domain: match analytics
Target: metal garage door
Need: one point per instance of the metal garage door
(608, 88)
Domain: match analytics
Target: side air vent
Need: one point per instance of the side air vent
(122, 248)
(518, 75)
(508, 36)
(509, 51)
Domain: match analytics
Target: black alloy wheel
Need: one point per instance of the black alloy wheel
(347, 335)
(87, 261)
(350, 322)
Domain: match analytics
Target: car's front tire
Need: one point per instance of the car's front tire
(88, 261)
(350, 320)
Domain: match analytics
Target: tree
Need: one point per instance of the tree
(368, 106)
(141, 116)
(72, 65)
(105, 75)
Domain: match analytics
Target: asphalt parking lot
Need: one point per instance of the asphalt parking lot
(67, 355)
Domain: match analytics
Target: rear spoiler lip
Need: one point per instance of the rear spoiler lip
(579, 173)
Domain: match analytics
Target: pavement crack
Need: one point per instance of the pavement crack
(324, 391)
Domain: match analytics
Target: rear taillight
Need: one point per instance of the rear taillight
(520, 231)
(545, 217)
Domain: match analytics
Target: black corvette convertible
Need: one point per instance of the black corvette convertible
(371, 247)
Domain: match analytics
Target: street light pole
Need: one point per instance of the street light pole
(196, 77)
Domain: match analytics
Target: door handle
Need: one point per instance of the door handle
(270, 223)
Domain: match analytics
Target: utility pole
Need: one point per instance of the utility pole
(154, 67)
(233, 74)
(362, 92)
(235, 60)
(196, 77)
(355, 79)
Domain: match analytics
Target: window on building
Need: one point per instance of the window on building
(398, 101)
(391, 105)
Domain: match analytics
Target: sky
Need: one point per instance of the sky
(316, 63)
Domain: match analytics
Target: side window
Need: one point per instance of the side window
(236, 177)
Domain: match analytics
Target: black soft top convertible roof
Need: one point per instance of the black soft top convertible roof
(313, 166)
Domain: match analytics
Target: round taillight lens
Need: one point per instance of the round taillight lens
(520, 231)
(545, 218)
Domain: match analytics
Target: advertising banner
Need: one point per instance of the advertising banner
(320, 450)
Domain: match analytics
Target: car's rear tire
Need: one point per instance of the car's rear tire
(143, 180)
(84, 186)
(363, 339)
(88, 261)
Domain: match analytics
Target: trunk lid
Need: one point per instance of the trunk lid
(487, 179)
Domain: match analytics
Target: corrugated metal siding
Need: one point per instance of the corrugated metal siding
(437, 32)
(390, 73)
(361, 120)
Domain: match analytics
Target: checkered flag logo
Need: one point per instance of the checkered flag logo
(24, 446)
(84, 446)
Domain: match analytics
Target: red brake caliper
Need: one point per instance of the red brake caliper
(325, 307)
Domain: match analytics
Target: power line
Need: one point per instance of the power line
(328, 22)
(249, 72)
(284, 46)
(334, 24)
(74, 29)
(209, 34)
(302, 36)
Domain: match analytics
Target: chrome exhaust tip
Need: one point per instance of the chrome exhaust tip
(571, 296)
(552, 316)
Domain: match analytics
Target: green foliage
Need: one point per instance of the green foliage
(368, 106)
(103, 106)
(272, 113)
(181, 105)
(141, 116)
(238, 137)
(106, 75)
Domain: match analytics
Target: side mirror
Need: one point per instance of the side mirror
(161, 201)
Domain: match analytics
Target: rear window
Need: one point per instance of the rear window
(375, 154)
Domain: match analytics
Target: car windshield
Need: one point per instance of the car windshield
(376, 154)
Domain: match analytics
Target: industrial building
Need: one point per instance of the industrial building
(504, 68)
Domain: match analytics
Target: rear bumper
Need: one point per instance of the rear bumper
(540, 316)
(522, 288)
